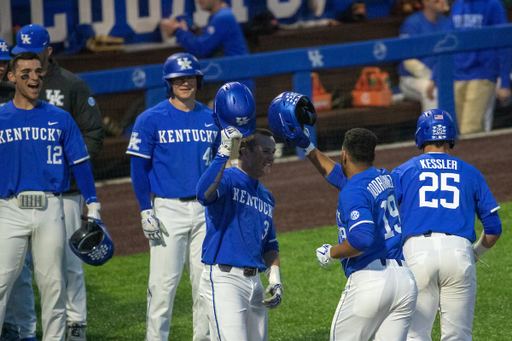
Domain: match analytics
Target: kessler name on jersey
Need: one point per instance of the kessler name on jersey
(187, 135)
(380, 184)
(243, 197)
(438, 164)
(29, 133)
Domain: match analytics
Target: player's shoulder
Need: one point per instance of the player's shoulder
(53, 110)
(203, 108)
(155, 113)
(413, 20)
(225, 15)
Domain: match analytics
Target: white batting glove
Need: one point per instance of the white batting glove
(93, 210)
(311, 146)
(323, 254)
(275, 287)
(151, 226)
(227, 136)
(478, 251)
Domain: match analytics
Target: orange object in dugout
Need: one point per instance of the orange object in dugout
(372, 88)
(321, 99)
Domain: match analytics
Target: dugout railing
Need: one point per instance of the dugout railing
(301, 62)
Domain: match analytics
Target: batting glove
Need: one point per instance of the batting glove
(275, 287)
(323, 254)
(311, 146)
(151, 226)
(93, 210)
(227, 136)
(478, 251)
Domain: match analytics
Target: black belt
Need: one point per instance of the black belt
(248, 271)
(185, 199)
(383, 262)
(429, 233)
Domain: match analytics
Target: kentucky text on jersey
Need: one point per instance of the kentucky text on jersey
(243, 197)
(29, 133)
(438, 164)
(171, 136)
(379, 185)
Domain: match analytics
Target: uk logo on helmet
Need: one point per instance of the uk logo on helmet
(185, 63)
(241, 121)
(26, 39)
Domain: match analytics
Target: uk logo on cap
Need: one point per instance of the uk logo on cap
(4, 51)
(31, 38)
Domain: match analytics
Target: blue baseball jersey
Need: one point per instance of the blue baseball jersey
(415, 24)
(37, 147)
(240, 222)
(368, 198)
(484, 64)
(441, 193)
(181, 145)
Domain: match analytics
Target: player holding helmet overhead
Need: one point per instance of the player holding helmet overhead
(240, 240)
(439, 196)
(172, 144)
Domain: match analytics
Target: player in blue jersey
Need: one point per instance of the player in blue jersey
(172, 144)
(380, 294)
(38, 144)
(222, 36)
(415, 74)
(240, 239)
(438, 196)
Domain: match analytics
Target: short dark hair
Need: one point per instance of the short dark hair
(438, 144)
(250, 141)
(22, 56)
(360, 143)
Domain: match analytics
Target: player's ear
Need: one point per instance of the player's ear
(10, 76)
(49, 50)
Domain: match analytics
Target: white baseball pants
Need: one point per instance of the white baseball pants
(416, 89)
(185, 222)
(445, 273)
(377, 303)
(45, 227)
(234, 305)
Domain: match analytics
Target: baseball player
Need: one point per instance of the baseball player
(380, 294)
(438, 196)
(240, 239)
(171, 146)
(38, 143)
(6, 88)
(66, 91)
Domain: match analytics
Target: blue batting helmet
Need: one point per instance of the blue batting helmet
(4, 50)
(31, 38)
(234, 106)
(181, 64)
(92, 242)
(435, 125)
(287, 115)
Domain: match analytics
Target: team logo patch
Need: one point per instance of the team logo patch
(210, 30)
(25, 38)
(354, 215)
(91, 101)
(184, 63)
(438, 132)
(3, 47)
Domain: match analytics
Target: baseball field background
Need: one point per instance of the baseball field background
(305, 219)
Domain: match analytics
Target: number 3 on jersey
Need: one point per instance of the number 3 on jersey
(434, 203)
(391, 208)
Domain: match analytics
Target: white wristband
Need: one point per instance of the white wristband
(479, 249)
(273, 275)
(308, 149)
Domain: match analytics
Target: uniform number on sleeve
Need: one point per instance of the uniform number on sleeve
(54, 155)
(434, 203)
(391, 208)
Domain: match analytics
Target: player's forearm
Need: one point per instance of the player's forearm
(140, 168)
(488, 240)
(344, 250)
(210, 180)
(271, 258)
(85, 181)
(322, 162)
(417, 68)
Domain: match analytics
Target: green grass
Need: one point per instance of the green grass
(116, 293)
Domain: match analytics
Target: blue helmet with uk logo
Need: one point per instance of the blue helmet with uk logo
(287, 115)
(435, 125)
(234, 106)
(92, 242)
(179, 65)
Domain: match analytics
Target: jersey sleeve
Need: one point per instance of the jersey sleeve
(358, 213)
(73, 143)
(485, 202)
(87, 116)
(142, 141)
(271, 242)
(337, 178)
(208, 42)
(408, 28)
(397, 174)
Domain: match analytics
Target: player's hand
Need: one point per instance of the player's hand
(227, 137)
(169, 26)
(151, 226)
(93, 210)
(430, 90)
(276, 290)
(310, 146)
(503, 95)
(323, 254)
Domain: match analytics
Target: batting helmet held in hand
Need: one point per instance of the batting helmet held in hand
(435, 125)
(234, 106)
(288, 114)
(179, 65)
(92, 242)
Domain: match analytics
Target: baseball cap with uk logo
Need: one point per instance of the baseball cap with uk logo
(31, 38)
(4, 50)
